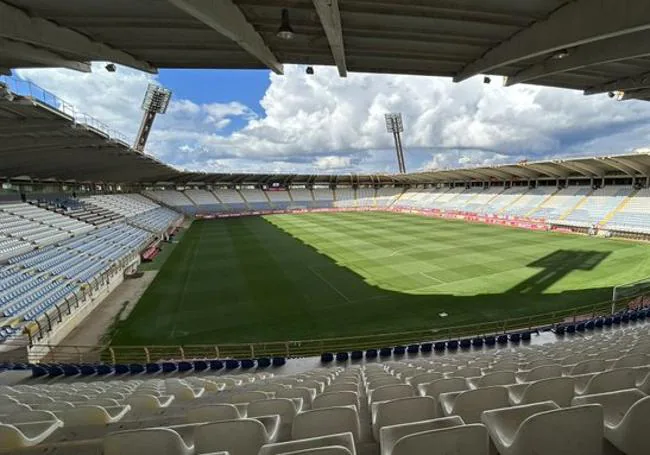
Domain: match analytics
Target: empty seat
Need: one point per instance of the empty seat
(541, 372)
(307, 395)
(237, 437)
(559, 390)
(282, 407)
(403, 410)
(146, 402)
(212, 412)
(331, 450)
(340, 440)
(321, 422)
(391, 392)
(435, 388)
(461, 440)
(330, 399)
(607, 381)
(542, 428)
(470, 404)
(626, 414)
(93, 415)
(423, 378)
(389, 435)
(161, 441)
(631, 360)
(492, 379)
(588, 366)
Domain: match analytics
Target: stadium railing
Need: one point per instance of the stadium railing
(306, 348)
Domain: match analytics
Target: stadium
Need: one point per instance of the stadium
(480, 309)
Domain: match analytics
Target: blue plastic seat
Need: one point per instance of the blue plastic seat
(439, 346)
(136, 368)
(342, 356)
(465, 343)
(279, 361)
(426, 347)
(502, 339)
(515, 337)
(232, 364)
(105, 369)
(200, 365)
(247, 364)
(490, 340)
(570, 328)
(452, 345)
(477, 341)
(371, 354)
(560, 330)
(385, 352)
(413, 348)
(55, 371)
(152, 368)
(216, 365)
(263, 362)
(169, 367)
(39, 371)
(525, 336)
(399, 350)
(87, 370)
(356, 355)
(185, 366)
(70, 370)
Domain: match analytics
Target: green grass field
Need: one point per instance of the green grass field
(309, 276)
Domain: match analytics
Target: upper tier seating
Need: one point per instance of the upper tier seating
(386, 197)
(174, 199)
(255, 199)
(469, 400)
(600, 203)
(635, 215)
(344, 197)
(280, 199)
(204, 200)
(231, 199)
(302, 198)
(323, 197)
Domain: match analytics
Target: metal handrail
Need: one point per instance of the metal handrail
(27, 88)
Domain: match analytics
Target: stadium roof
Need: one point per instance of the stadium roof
(596, 46)
(42, 138)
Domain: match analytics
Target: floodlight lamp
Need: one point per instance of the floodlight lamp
(285, 31)
(486, 80)
(111, 68)
(156, 99)
(394, 123)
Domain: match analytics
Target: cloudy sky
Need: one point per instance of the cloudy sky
(257, 121)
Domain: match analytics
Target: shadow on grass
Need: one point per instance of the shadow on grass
(247, 280)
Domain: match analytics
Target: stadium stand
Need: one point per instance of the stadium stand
(174, 199)
(204, 200)
(255, 199)
(323, 197)
(584, 395)
(344, 197)
(634, 215)
(386, 197)
(231, 199)
(280, 199)
(302, 198)
(593, 209)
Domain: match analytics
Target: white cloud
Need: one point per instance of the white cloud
(322, 123)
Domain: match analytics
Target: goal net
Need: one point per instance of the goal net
(632, 291)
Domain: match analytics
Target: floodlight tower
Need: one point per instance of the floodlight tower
(395, 125)
(155, 101)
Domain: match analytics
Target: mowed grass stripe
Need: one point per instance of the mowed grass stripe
(292, 277)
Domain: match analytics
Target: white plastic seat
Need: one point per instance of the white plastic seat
(160, 441)
(435, 388)
(184, 392)
(307, 395)
(321, 422)
(587, 367)
(314, 384)
(15, 436)
(467, 372)
(631, 360)
(93, 415)
(626, 415)
(524, 430)
(461, 440)
(560, 390)
(341, 440)
(391, 392)
(145, 402)
(237, 437)
(330, 450)
(330, 399)
(423, 378)
(343, 387)
(211, 413)
(541, 372)
(470, 404)
(284, 408)
(608, 381)
(403, 410)
(389, 435)
(493, 379)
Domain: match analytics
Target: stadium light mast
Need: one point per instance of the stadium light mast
(156, 99)
(395, 125)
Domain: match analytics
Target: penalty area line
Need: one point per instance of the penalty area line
(332, 287)
(439, 281)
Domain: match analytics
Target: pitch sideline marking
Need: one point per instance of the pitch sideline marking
(187, 279)
(432, 278)
(334, 288)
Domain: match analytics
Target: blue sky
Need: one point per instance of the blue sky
(256, 121)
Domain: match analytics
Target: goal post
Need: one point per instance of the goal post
(629, 291)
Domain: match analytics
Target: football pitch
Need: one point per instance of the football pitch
(321, 275)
